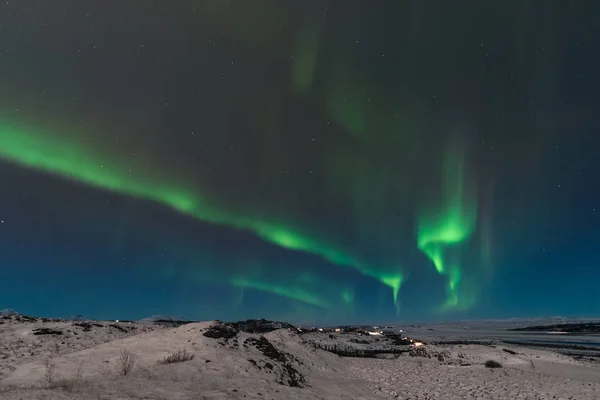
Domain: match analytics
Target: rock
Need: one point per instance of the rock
(261, 326)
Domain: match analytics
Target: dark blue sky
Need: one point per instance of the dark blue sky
(326, 161)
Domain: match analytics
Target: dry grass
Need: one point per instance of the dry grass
(66, 384)
(177, 357)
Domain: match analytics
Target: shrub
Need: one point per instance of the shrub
(126, 361)
(492, 364)
(177, 357)
(49, 367)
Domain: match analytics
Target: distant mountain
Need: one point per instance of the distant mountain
(572, 328)
(9, 311)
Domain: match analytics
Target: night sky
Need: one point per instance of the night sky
(314, 160)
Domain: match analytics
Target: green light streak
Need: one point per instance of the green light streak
(303, 287)
(77, 160)
(73, 160)
(296, 293)
(393, 281)
(442, 230)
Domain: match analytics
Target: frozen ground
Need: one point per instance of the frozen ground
(47, 359)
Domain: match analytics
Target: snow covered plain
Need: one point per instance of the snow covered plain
(56, 359)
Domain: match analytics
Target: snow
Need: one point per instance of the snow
(230, 363)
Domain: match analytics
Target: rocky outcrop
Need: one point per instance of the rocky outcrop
(261, 326)
(425, 352)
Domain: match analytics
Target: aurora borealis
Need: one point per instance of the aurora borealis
(309, 161)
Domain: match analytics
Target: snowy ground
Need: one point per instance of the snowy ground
(82, 360)
(529, 374)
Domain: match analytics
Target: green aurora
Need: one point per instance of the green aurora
(82, 162)
(316, 161)
(346, 100)
(441, 231)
